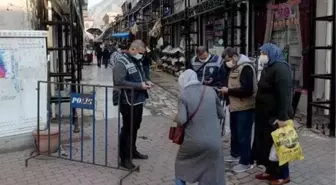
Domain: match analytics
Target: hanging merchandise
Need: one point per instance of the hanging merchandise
(134, 29)
(156, 30)
(159, 43)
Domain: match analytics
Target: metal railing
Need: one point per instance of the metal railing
(86, 100)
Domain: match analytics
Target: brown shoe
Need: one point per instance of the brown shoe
(264, 176)
(280, 181)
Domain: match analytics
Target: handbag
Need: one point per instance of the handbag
(176, 134)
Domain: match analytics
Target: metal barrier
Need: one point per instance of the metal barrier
(85, 100)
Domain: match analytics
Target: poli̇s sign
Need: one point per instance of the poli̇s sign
(82, 101)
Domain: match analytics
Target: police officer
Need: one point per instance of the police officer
(128, 71)
(209, 68)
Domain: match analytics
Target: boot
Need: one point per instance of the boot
(126, 163)
(138, 155)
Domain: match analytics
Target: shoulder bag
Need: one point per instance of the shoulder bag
(176, 134)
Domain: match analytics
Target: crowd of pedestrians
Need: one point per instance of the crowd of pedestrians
(212, 79)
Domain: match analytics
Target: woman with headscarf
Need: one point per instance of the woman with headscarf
(200, 157)
(273, 109)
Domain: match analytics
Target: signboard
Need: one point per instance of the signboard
(23, 62)
(82, 101)
(285, 14)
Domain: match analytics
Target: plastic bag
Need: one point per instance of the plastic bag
(286, 142)
(273, 156)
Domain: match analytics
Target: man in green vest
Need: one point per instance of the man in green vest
(241, 90)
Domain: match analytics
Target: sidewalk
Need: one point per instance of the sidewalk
(318, 168)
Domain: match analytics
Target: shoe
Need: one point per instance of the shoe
(127, 164)
(241, 168)
(264, 176)
(138, 155)
(280, 181)
(232, 159)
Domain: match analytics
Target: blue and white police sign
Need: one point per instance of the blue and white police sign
(82, 101)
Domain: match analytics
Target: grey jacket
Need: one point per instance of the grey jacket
(200, 157)
(128, 72)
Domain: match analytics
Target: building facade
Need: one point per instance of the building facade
(64, 56)
(245, 25)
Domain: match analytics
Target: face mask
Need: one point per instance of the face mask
(138, 56)
(229, 64)
(263, 59)
(205, 60)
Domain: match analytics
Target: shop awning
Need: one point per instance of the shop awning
(124, 35)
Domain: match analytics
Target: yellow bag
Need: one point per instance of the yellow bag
(286, 142)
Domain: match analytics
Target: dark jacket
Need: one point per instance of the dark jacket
(128, 72)
(147, 60)
(213, 69)
(98, 51)
(106, 54)
(273, 101)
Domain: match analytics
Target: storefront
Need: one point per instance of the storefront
(287, 25)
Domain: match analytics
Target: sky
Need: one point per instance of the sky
(93, 2)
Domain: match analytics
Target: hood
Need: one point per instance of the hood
(244, 59)
(274, 54)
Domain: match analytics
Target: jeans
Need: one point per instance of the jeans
(241, 123)
(179, 182)
(125, 134)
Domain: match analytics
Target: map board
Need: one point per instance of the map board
(23, 61)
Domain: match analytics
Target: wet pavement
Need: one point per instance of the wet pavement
(318, 167)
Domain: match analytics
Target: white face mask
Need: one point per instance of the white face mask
(263, 59)
(138, 56)
(229, 64)
(205, 59)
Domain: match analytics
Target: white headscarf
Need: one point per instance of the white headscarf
(188, 77)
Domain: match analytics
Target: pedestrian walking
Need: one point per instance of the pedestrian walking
(200, 156)
(273, 109)
(106, 56)
(128, 72)
(147, 62)
(241, 90)
(99, 53)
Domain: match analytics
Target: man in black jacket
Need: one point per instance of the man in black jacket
(106, 56)
(127, 71)
(99, 55)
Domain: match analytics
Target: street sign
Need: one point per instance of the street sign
(82, 101)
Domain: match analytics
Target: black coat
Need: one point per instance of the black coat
(273, 101)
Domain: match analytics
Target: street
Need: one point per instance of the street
(318, 167)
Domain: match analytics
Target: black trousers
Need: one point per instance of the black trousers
(99, 60)
(105, 61)
(125, 134)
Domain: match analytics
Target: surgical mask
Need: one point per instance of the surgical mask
(205, 60)
(138, 56)
(229, 64)
(263, 59)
